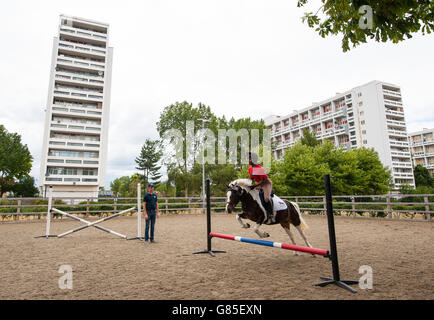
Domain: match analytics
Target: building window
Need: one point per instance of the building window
(361, 103)
(362, 113)
(363, 131)
(89, 172)
(365, 141)
(359, 94)
(362, 122)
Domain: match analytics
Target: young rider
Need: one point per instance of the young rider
(257, 173)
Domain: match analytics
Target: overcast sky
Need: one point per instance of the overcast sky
(242, 58)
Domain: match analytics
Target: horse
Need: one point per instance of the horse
(239, 191)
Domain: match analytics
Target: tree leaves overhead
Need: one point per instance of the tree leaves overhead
(393, 20)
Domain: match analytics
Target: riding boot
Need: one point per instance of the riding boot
(269, 209)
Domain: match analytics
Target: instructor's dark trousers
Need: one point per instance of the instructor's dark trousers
(151, 221)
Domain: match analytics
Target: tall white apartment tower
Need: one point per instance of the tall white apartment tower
(74, 151)
(371, 116)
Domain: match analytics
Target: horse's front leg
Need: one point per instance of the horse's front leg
(243, 225)
(260, 233)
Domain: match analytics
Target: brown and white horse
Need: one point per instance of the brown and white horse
(239, 191)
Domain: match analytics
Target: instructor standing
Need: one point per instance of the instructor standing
(150, 206)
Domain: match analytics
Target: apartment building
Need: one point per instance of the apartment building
(370, 116)
(74, 150)
(422, 148)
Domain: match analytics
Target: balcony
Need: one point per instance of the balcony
(86, 50)
(74, 80)
(97, 37)
(74, 146)
(68, 180)
(72, 128)
(403, 175)
(396, 123)
(394, 113)
(397, 133)
(391, 93)
(71, 111)
(80, 93)
(398, 143)
(392, 103)
(417, 142)
(80, 64)
(402, 164)
(400, 154)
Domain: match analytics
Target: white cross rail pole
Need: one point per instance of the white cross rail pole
(139, 212)
(50, 202)
(86, 222)
(48, 219)
(139, 215)
(90, 224)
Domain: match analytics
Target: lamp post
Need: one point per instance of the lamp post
(203, 163)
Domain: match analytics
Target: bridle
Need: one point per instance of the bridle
(230, 189)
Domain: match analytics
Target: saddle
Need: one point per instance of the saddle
(276, 203)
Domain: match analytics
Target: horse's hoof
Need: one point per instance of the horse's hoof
(247, 226)
(266, 235)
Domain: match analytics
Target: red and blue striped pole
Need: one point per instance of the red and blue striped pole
(280, 245)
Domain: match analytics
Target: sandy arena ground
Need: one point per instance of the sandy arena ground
(401, 254)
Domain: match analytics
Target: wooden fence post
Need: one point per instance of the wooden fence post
(17, 216)
(427, 209)
(389, 207)
(87, 208)
(115, 203)
(353, 206)
(167, 205)
(324, 204)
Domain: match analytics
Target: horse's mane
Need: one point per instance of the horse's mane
(243, 183)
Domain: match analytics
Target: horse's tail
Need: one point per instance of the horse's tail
(303, 223)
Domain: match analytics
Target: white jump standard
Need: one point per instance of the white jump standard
(92, 224)
(332, 254)
(88, 224)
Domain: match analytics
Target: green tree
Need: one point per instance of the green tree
(121, 186)
(299, 173)
(302, 169)
(376, 179)
(392, 20)
(309, 138)
(422, 177)
(186, 176)
(25, 187)
(148, 162)
(15, 160)
(175, 117)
